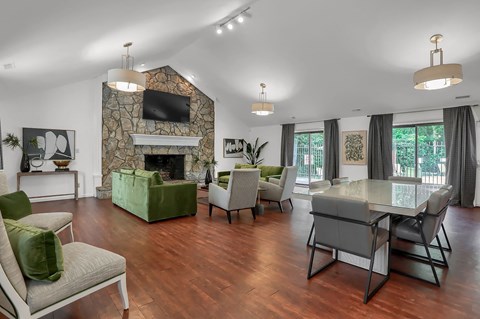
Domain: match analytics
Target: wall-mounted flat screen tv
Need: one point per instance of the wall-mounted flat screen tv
(162, 106)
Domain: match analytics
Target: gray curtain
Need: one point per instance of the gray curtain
(286, 152)
(331, 151)
(460, 144)
(380, 147)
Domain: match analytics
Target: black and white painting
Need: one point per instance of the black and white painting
(232, 147)
(1, 150)
(51, 144)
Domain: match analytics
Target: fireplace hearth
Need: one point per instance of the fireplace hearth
(171, 167)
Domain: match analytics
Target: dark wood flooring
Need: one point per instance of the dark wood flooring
(201, 267)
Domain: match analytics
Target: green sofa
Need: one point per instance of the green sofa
(266, 172)
(144, 194)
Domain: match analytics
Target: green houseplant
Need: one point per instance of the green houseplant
(252, 152)
(209, 166)
(12, 141)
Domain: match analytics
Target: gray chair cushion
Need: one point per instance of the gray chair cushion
(9, 263)
(85, 267)
(48, 221)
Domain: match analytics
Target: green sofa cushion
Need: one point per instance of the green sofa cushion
(242, 166)
(15, 205)
(153, 175)
(38, 252)
(127, 170)
(270, 170)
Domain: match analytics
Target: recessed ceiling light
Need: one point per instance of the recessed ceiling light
(293, 117)
(356, 110)
(143, 64)
(462, 97)
(230, 26)
(9, 66)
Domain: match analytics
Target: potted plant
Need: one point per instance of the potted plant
(209, 166)
(12, 141)
(252, 152)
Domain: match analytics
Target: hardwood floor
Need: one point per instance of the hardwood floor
(201, 267)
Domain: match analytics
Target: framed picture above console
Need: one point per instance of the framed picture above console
(52, 144)
(232, 147)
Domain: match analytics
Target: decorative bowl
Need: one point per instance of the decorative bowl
(62, 164)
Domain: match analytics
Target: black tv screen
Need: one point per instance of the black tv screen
(162, 106)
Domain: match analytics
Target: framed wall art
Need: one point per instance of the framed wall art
(354, 148)
(52, 144)
(232, 147)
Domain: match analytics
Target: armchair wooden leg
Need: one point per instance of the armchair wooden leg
(253, 213)
(71, 232)
(291, 204)
(229, 216)
(210, 207)
(281, 207)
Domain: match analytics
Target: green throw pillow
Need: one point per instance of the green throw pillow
(38, 252)
(15, 205)
(242, 166)
(127, 170)
(153, 175)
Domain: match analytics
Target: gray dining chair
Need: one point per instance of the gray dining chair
(348, 225)
(448, 247)
(405, 179)
(320, 185)
(340, 180)
(423, 229)
(241, 192)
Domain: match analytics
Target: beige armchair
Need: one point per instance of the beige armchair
(241, 192)
(86, 270)
(3, 184)
(279, 190)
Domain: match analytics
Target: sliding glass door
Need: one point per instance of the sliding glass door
(419, 151)
(308, 156)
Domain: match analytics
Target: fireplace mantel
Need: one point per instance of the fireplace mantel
(165, 140)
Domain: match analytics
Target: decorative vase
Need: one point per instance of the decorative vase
(208, 177)
(24, 164)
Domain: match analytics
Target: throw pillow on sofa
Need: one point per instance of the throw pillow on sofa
(153, 175)
(130, 171)
(242, 166)
(15, 205)
(38, 252)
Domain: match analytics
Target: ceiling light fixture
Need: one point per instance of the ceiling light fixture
(262, 108)
(228, 21)
(437, 76)
(126, 79)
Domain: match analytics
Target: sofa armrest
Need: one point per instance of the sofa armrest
(218, 196)
(223, 173)
(274, 177)
(172, 198)
(274, 180)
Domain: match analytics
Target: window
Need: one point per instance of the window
(419, 151)
(308, 156)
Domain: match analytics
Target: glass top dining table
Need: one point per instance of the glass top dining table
(394, 197)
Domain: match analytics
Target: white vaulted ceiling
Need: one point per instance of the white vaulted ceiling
(319, 59)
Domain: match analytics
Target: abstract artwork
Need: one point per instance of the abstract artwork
(51, 144)
(354, 148)
(232, 147)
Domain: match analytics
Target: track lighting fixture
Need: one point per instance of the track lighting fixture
(229, 21)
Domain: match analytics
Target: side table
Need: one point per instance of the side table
(75, 181)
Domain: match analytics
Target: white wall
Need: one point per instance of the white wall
(271, 134)
(226, 126)
(359, 123)
(68, 107)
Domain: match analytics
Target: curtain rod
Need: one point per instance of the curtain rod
(308, 122)
(425, 110)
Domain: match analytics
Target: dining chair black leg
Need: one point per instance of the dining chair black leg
(291, 204)
(281, 207)
(310, 235)
(312, 256)
(441, 251)
(253, 213)
(428, 253)
(370, 269)
(210, 207)
(449, 247)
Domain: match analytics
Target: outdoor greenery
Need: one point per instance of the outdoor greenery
(302, 156)
(430, 149)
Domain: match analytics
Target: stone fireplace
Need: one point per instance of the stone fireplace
(127, 138)
(171, 167)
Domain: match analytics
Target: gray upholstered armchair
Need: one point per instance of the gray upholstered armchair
(346, 224)
(279, 190)
(241, 192)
